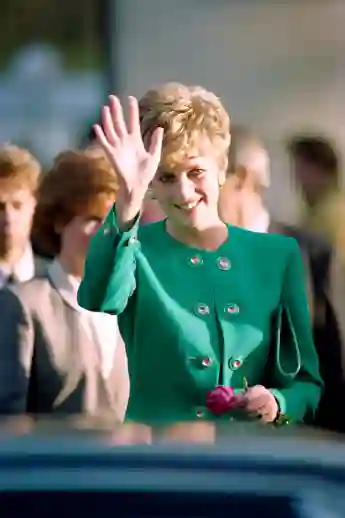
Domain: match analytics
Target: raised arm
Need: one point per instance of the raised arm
(109, 278)
(109, 273)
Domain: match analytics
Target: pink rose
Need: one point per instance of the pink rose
(222, 399)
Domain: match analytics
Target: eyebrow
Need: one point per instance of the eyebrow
(165, 171)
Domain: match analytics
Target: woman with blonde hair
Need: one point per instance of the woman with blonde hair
(214, 318)
(55, 357)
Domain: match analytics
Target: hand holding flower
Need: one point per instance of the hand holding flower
(223, 399)
(259, 402)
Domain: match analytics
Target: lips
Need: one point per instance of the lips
(188, 205)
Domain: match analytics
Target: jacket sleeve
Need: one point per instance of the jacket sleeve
(296, 368)
(109, 273)
(16, 353)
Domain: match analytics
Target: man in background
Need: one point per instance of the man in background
(316, 169)
(19, 179)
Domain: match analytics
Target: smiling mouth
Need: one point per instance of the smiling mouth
(187, 206)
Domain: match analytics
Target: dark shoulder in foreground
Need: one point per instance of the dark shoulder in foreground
(315, 245)
(30, 293)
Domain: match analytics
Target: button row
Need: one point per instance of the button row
(203, 309)
(233, 363)
(223, 263)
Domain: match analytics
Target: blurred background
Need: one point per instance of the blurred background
(279, 67)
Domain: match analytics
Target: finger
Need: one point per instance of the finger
(265, 413)
(259, 412)
(257, 390)
(155, 149)
(108, 126)
(117, 116)
(101, 138)
(254, 405)
(257, 404)
(133, 119)
(265, 416)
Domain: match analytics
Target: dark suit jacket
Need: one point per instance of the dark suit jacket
(326, 321)
(48, 364)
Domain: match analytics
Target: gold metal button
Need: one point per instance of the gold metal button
(203, 309)
(196, 260)
(233, 309)
(223, 263)
(235, 363)
(206, 362)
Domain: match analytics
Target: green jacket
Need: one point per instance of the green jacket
(193, 319)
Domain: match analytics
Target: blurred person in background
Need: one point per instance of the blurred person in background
(55, 357)
(242, 203)
(20, 175)
(316, 168)
(201, 305)
(241, 197)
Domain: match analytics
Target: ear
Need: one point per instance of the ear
(33, 204)
(221, 178)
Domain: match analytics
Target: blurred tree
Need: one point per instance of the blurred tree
(73, 26)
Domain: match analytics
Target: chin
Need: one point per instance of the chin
(194, 223)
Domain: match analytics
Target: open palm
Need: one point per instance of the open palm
(123, 144)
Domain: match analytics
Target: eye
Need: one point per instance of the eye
(197, 172)
(17, 205)
(167, 177)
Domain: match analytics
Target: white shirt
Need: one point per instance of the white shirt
(24, 270)
(261, 222)
(101, 328)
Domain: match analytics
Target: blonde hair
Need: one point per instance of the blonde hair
(191, 117)
(249, 152)
(19, 169)
(78, 183)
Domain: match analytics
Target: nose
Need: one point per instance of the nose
(185, 189)
(6, 216)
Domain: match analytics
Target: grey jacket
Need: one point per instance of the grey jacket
(48, 364)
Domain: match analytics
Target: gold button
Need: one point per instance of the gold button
(235, 363)
(206, 362)
(203, 309)
(223, 263)
(196, 260)
(233, 309)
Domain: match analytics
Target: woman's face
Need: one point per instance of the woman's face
(189, 194)
(76, 235)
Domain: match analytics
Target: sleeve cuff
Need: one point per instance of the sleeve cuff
(126, 237)
(280, 400)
